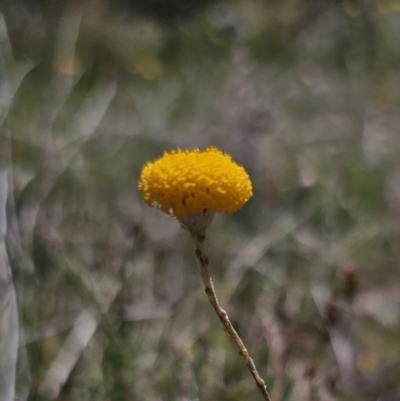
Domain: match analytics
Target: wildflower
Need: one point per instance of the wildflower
(192, 186)
(183, 182)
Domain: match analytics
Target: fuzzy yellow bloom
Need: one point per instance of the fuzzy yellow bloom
(184, 181)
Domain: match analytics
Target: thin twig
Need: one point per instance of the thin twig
(203, 263)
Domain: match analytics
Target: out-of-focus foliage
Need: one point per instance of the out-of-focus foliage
(306, 95)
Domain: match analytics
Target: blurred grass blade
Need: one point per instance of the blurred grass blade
(8, 307)
(76, 342)
(14, 370)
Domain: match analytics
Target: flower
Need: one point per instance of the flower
(194, 181)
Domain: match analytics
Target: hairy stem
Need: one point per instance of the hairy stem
(203, 263)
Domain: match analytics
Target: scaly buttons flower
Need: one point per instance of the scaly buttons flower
(184, 181)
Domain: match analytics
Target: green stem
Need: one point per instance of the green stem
(204, 267)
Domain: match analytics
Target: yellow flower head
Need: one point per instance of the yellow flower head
(184, 181)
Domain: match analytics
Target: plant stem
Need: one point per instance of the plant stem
(204, 267)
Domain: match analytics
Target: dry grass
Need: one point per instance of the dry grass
(110, 302)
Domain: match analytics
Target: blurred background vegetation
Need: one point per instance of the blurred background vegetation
(305, 94)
